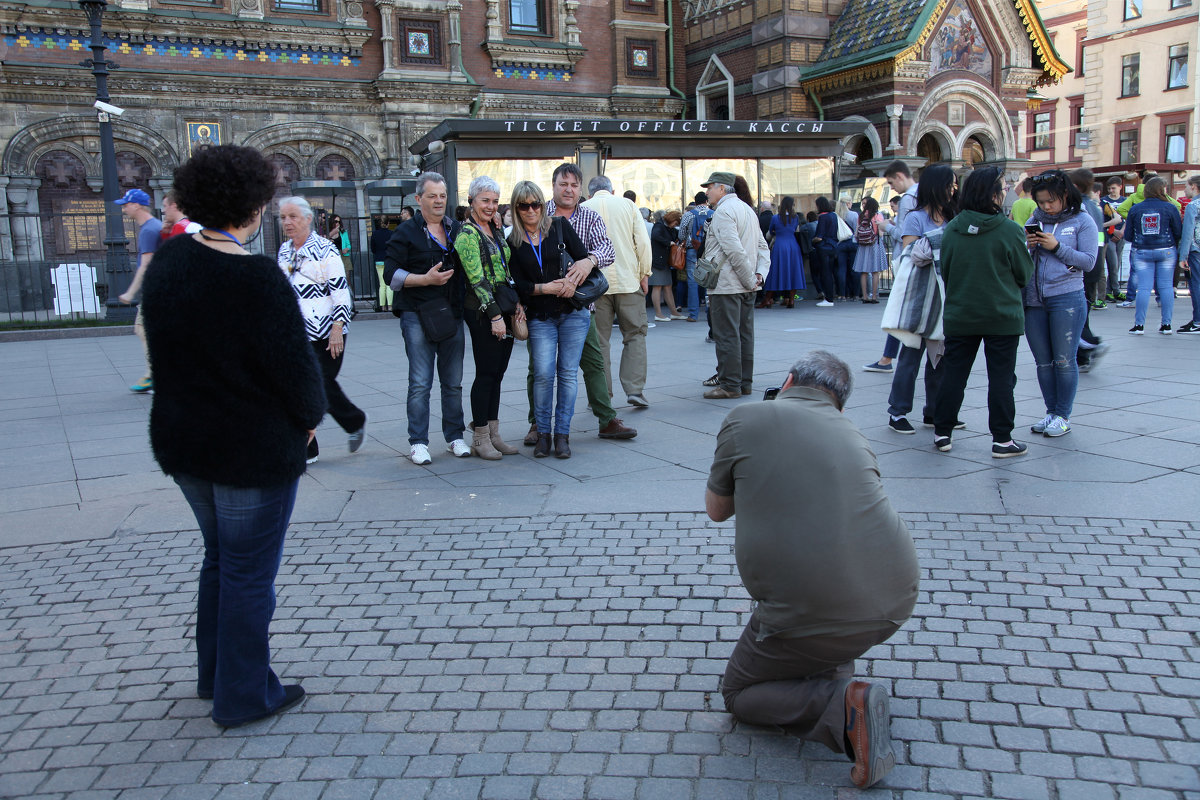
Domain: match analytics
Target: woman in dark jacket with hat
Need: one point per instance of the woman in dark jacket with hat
(238, 395)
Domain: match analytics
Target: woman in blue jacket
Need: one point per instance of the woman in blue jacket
(1153, 229)
(1063, 241)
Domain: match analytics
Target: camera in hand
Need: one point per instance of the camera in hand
(772, 393)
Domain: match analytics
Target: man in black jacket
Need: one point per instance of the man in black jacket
(421, 268)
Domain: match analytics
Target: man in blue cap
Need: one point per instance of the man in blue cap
(136, 205)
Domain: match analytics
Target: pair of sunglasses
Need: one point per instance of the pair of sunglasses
(528, 206)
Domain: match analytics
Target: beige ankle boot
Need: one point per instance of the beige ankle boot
(481, 445)
(498, 443)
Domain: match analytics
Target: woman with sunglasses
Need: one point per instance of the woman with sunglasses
(490, 309)
(1063, 240)
(557, 327)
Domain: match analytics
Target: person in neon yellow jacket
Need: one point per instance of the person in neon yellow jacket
(1140, 195)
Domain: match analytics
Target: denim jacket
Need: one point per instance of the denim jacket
(1189, 242)
(1153, 224)
(1062, 271)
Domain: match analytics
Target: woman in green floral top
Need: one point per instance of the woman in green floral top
(490, 308)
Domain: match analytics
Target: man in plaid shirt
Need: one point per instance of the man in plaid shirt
(568, 185)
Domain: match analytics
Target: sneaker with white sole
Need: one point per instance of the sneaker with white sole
(824, 304)
(459, 448)
(1008, 450)
(419, 455)
(879, 367)
(1165, 330)
(1137, 330)
(1190, 327)
(901, 425)
(942, 443)
(1056, 427)
(355, 440)
(1126, 304)
(1040, 427)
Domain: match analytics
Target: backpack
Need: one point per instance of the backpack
(865, 233)
(699, 226)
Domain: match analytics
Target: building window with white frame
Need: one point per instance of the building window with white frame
(1177, 66)
(1127, 146)
(1130, 67)
(1043, 138)
(1175, 143)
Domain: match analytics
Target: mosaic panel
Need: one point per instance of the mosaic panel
(526, 72)
(156, 47)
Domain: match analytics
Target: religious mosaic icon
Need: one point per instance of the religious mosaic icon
(418, 43)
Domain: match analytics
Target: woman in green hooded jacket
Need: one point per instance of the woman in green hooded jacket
(985, 264)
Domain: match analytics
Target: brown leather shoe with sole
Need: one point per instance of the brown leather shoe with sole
(531, 437)
(721, 394)
(868, 731)
(616, 429)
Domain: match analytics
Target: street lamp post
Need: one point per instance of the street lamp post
(117, 272)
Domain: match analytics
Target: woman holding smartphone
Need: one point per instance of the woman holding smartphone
(1062, 240)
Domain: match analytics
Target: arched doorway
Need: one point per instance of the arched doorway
(973, 152)
(930, 149)
(73, 214)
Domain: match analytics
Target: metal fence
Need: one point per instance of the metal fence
(52, 266)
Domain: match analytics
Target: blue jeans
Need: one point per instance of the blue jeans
(243, 531)
(1155, 269)
(422, 354)
(846, 251)
(693, 288)
(1193, 260)
(555, 346)
(1052, 331)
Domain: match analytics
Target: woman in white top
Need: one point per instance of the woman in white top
(315, 270)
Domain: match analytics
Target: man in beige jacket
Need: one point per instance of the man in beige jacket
(736, 244)
(627, 276)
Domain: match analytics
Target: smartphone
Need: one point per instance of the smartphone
(1032, 228)
(772, 393)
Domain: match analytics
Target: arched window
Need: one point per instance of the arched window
(973, 152)
(929, 149)
(714, 92)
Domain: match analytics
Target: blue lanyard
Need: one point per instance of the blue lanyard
(227, 235)
(537, 252)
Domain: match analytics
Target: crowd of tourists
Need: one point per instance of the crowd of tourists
(247, 349)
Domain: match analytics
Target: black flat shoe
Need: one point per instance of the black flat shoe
(292, 695)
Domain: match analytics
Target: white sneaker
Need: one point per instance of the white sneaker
(1057, 427)
(419, 454)
(459, 448)
(824, 304)
(1040, 427)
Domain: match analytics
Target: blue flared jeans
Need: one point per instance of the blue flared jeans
(243, 531)
(1052, 330)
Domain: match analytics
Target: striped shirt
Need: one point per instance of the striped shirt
(318, 277)
(592, 232)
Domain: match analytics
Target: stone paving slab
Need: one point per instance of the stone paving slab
(577, 656)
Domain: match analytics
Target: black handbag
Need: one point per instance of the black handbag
(506, 298)
(437, 320)
(593, 287)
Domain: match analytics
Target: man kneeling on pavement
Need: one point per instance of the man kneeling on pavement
(828, 561)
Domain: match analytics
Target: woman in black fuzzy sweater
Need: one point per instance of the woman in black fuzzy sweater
(236, 400)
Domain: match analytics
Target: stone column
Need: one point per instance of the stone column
(6, 244)
(387, 36)
(495, 31)
(26, 224)
(894, 112)
(391, 133)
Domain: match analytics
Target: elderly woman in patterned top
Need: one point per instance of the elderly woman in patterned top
(314, 267)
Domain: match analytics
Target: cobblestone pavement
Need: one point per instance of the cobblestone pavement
(577, 656)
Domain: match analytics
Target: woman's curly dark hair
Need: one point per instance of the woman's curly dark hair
(222, 186)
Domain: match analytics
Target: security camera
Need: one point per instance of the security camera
(108, 108)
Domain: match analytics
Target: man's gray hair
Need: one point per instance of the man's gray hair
(298, 202)
(822, 370)
(728, 189)
(599, 184)
(482, 184)
(427, 177)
